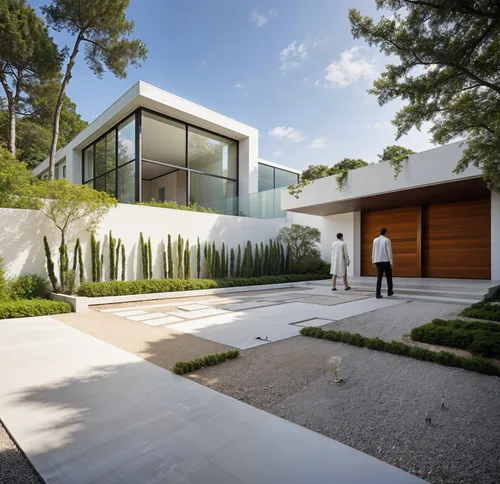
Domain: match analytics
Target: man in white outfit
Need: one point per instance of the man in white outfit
(339, 262)
(382, 260)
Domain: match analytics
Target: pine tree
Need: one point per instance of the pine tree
(232, 263)
(180, 272)
(256, 262)
(238, 262)
(198, 258)
(223, 260)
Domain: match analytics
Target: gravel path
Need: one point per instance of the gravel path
(395, 321)
(14, 467)
(380, 409)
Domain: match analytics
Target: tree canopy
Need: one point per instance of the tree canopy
(395, 155)
(27, 52)
(303, 240)
(103, 28)
(448, 72)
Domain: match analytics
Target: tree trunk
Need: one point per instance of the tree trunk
(58, 108)
(12, 112)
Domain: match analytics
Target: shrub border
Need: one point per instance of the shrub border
(182, 367)
(482, 310)
(27, 308)
(446, 358)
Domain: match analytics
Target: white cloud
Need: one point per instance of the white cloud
(239, 85)
(317, 83)
(278, 153)
(258, 19)
(240, 89)
(283, 132)
(350, 68)
(320, 142)
(292, 55)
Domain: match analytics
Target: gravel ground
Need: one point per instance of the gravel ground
(14, 467)
(380, 409)
(395, 321)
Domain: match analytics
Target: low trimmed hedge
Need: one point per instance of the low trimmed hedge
(483, 310)
(446, 358)
(480, 338)
(182, 367)
(149, 286)
(23, 308)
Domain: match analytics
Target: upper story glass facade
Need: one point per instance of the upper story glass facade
(271, 177)
(152, 156)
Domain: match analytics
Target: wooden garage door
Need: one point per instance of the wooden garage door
(456, 240)
(403, 228)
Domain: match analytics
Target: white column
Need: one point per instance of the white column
(74, 166)
(248, 165)
(356, 240)
(495, 237)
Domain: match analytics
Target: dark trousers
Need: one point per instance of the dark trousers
(381, 268)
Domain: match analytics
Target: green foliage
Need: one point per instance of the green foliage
(288, 259)
(180, 247)
(315, 172)
(301, 240)
(63, 265)
(480, 338)
(119, 288)
(117, 258)
(223, 261)
(112, 252)
(213, 260)
(395, 155)
(244, 265)
(26, 52)
(250, 260)
(123, 262)
(447, 73)
(182, 367)
(103, 28)
(208, 259)
(238, 263)
(80, 263)
(446, 358)
(232, 271)
(144, 256)
(69, 278)
(4, 291)
(256, 262)
(150, 259)
(66, 204)
(198, 258)
(217, 271)
(170, 258)
(23, 308)
(30, 286)
(95, 248)
(187, 261)
(192, 207)
(16, 183)
(484, 310)
(50, 264)
(266, 261)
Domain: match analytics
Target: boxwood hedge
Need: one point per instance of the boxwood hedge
(182, 367)
(23, 308)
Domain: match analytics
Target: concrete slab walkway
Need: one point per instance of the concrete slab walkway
(87, 412)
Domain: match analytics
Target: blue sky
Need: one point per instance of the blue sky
(288, 68)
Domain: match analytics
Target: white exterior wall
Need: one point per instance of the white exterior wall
(495, 237)
(21, 240)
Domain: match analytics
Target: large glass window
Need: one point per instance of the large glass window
(205, 188)
(88, 163)
(126, 141)
(271, 177)
(212, 153)
(283, 178)
(163, 140)
(109, 163)
(266, 177)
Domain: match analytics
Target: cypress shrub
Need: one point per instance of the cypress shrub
(223, 261)
(266, 261)
(213, 260)
(144, 257)
(282, 259)
(256, 262)
(170, 258)
(187, 261)
(50, 264)
(232, 273)
(288, 259)
(250, 260)
(180, 247)
(117, 258)
(150, 259)
(80, 263)
(217, 265)
(238, 263)
(75, 254)
(123, 262)
(198, 258)
(112, 243)
(209, 260)
(226, 269)
(93, 255)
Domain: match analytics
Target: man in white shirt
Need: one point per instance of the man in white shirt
(339, 262)
(382, 260)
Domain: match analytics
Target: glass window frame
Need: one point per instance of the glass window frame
(136, 116)
(274, 168)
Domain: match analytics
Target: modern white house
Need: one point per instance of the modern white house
(151, 144)
(442, 224)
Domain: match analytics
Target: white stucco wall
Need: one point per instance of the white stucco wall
(21, 237)
(495, 237)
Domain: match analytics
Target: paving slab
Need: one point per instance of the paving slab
(129, 313)
(145, 317)
(201, 313)
(247, 305)
(87, 412)
(191, 307)
(241, 328)
(162, 321)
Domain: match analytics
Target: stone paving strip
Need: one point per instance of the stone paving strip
(145, 317)
(85, 411)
